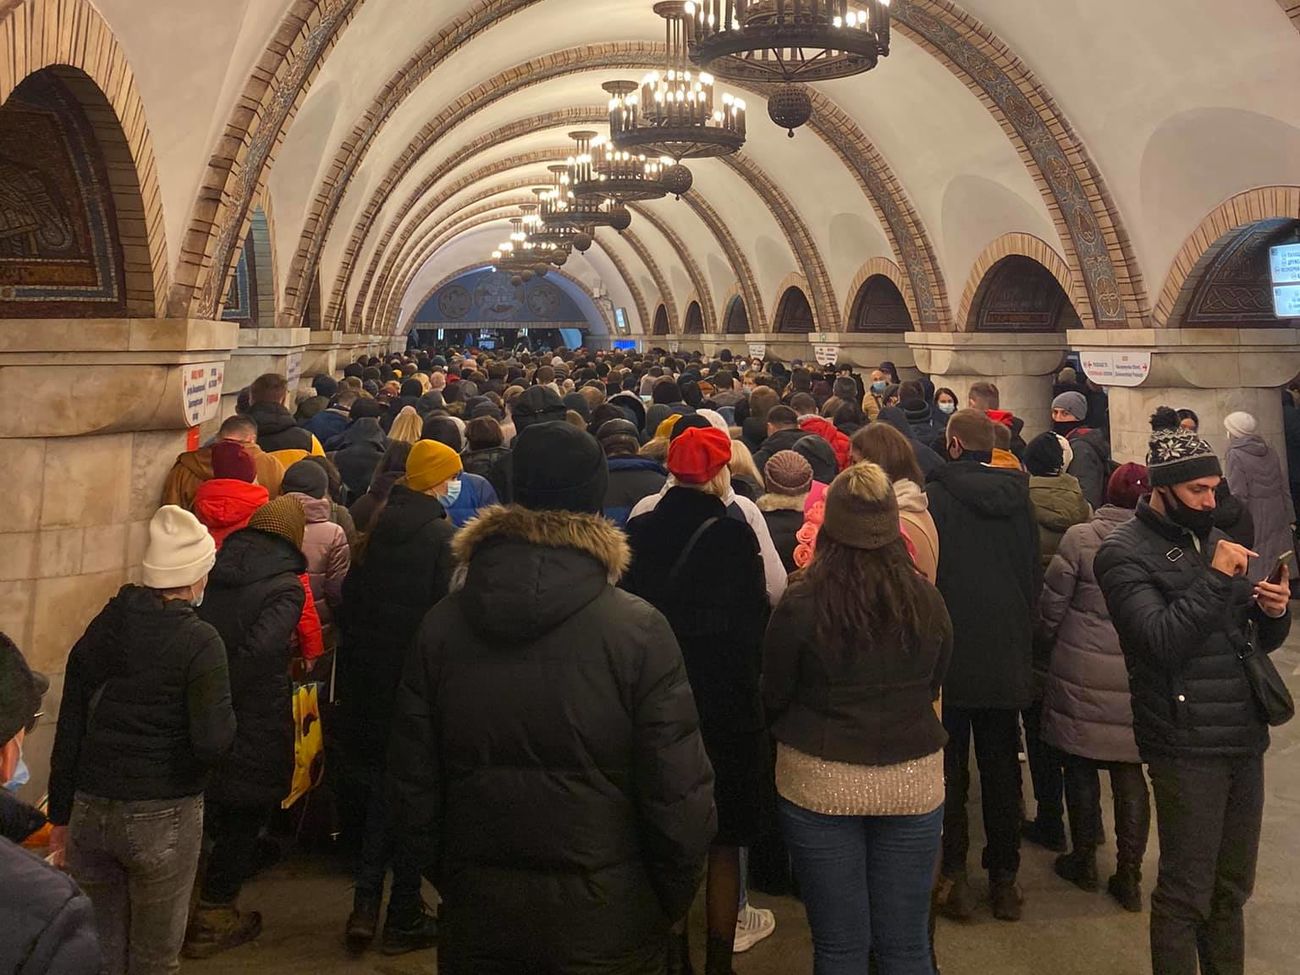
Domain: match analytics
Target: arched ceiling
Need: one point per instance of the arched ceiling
(1099, 127)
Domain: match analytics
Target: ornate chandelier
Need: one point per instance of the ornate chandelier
(524, 256)
(563, 208)
(789, 41)
(674, 114)
(598, 169)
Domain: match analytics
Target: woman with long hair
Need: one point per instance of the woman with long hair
(883, 445)
(853, 660)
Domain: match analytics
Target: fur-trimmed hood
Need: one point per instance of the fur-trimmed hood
(782, 502)
(526, 572)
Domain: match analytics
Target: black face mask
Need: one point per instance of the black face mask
(1195, 521)
(1064, 428)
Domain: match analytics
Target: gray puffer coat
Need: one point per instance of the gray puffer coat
(1255, 476)
(1087, 707)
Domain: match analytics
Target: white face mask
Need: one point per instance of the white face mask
(453, 492)
(947, 407)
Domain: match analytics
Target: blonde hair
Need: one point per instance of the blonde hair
(743, 464)
(719, 485)
(407, 426)
(655, 449)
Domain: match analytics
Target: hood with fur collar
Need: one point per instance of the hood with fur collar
(526, 572)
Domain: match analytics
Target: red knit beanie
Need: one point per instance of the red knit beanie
(697, 455)
(231, 460)
(1128, 485)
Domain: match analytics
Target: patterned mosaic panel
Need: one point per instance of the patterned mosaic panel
(794, 313)
(59, 252)
(879, 307)
(489, 297)
(1020, 295)
(1236, 289)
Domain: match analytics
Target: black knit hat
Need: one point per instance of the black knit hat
(1179, 456)
(306, 477)
(1044, 456)
(558, 467)
(538, 404)
(20, 690)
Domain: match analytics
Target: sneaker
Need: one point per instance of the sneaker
(409, 934)
(753, 925)
(1006, 897)
(954, 897)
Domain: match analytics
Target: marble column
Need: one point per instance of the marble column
(263, 350)
(1211, 371)
(1020, 364)
(323, 355)
(95, 416)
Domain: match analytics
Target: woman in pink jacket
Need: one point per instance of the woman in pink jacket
(325, 544)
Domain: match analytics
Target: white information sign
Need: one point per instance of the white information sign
(201, 391)
(827, 355)
(1117, 367)
(757, 349)
(1286, 300)
(293, 370)
(1284, 269)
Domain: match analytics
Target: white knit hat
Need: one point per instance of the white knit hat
(1239, 424)
(180, 549)
(715, 419)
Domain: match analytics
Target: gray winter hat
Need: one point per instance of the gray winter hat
(1073, 403)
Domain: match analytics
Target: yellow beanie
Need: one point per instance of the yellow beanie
(429, 464)
(665, 429)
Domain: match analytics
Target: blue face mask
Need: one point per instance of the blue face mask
(22, 774)
(879, 387)
(453, 492)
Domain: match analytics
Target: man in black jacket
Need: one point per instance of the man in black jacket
(990, 575)
(276, 427)
(782, 434)
(547, 762)
(1091, 463)
(1184, 610)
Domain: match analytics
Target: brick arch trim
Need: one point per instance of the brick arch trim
(1023, 245)
(557, 272)
(698, 281)
(1213, 233)
(244, 152)
(792, 280)
(874, 266)
(656, 272)
(48, 33)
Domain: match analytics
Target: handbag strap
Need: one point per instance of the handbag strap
(685, 554)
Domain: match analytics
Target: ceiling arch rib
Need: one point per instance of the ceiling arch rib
(698, 280)
(695, 200)
(656, 272)
(533, 73)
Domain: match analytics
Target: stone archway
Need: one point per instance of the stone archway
(694, 321)
(736, 321)
(793, 313)
(1020, 295)
(879, 306)
(660, 326)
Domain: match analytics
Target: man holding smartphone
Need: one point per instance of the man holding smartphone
(1184, 610)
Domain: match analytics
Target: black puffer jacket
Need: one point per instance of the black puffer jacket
(546, 762)
(164, 715)
(277, 429)
(990, 576)
(47, 925)
(630, 480)
(493, 463)
(254, 599)
(1181, 625)
(360, 449)
(403, 571)
(784, 516)
(776, 442)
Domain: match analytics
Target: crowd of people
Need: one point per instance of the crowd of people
(590, 631)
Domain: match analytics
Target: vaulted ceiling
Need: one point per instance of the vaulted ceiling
(389, 140)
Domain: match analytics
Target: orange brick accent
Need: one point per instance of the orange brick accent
(1214, 232)
(1099, 253)
(746, 283)
(876, 266)
(49, 33)
(792, 280)
(656, 272)
(1292, 9)
(1025, 245)
(698, 281)
(638, 296)
(246, 149)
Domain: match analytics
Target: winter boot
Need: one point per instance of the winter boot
(1046, 832)
(219, 927)
(1079, 868)
(409, 929)
(1126, 887)
(1005, 895)
(363, 922)
(954, 898)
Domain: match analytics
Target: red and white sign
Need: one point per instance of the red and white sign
(1116, 367)
(201, 391)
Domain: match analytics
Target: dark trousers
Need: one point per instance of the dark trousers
(381, 848)
(1208, 813)
(1128, 787)
(997, 741)
(233, 830)
(1044, 769)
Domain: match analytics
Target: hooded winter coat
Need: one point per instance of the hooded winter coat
(254, 600)
(325, 545)
(990, 576)
(225, 504)
(398, 576)
(48, 924)
(927, 424)
(327, 424)
(164, 715)
(630, 480)
(1087, 706)
(492, 464)
(832, 435)
(1255, 474)
(546, 763)
(1091, 464)
(918, 525)
(277, 430)
(784, 516)
(1182, 624)
(776, 442)
(194, 467)
(361, 451)
(1058, 505)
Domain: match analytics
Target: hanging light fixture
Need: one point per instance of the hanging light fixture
(673, 113)
(600, 169)
(523, 254)
(563, 208)
(789, 41)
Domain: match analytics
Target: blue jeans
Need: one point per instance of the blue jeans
(866, 883)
